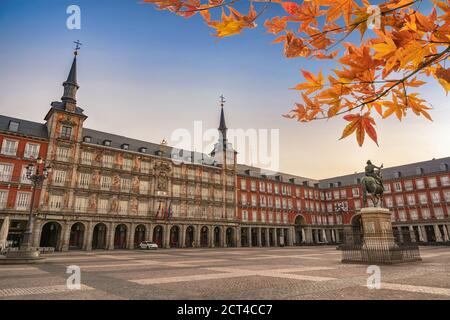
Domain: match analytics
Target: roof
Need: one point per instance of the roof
(135, 145)
(251, 171)
(407, 170)
(27, 128)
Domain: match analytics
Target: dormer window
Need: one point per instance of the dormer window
(125, 146)
(107, 143)
(419, 170)
(398, 174)
(443, 167)
(143, 150)
(13, 126)
(87, 139)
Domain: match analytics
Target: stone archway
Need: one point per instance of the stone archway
(357, 229)
(174, 237)
(229, 237)
(189, 242)
(158, 234)
(76, 236)
(300, 223)
(51, 235)
(120, 237)
(254, 237)
(217, 236)
(204, 237)
(139, 235)
(244, 237)
(99, 236)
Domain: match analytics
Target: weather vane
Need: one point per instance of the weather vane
(222, 100)
(78, 44)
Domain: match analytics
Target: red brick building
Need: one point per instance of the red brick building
(21, 144)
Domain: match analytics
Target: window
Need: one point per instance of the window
(357, 205)
(408, 185)
(275, 188)
(87, 139)
(145, 166)
(435, 196)
(254, 200)
(253, 185)
(143, 187)
(343, 193)
(445, 181)
(263, 217)
(398, 186)
(426, 213)
(244, 215)
(3, 199)
(13, 126)
(262, 186)
(81, 204)
(105, 182)
(9, 147)
(127, 164)
(413, 214)
(254, 216)
(269, 187)
(55, 202)
(447, 195)
(23, 200)
(23, 176)
(84, 180)
(107, 143)
(277, 203)
(143, 207)
(31, 150)
(387, 187)
(355, 192)
(86, 157)
(108, 160)
(205, 193)
(62, 154)
(262, 200)
(6, 171)
(103, 205)
(411, 199)
(420, 184)
(59, 177)
(125, 185)
(66, 132)
(402, 215)
(205, 176)
(243, 184)
(399, 201)
(388, 201)
(423, 198)
(432, 183)
(123, 206)
(438, 213)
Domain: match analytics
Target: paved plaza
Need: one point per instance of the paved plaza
(233, 273)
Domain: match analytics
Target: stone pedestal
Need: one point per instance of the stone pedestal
(377, 228)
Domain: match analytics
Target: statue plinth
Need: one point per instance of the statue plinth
(377, 228)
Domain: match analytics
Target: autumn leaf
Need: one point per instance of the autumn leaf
(360, 124)
(443, 76)
(313, 83)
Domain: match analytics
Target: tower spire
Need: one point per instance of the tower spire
(222, 125)
(70, 85)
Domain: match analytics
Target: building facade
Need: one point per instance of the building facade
(111, 192)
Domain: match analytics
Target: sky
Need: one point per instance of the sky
(145, 73)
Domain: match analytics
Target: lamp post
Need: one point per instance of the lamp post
(37, 176)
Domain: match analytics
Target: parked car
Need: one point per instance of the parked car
(148, 245)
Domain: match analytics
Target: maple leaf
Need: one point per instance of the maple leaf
(276, 25)
(385, 48)
(394, 106)
(360, 124)
(313, 83)
(294, 47)
(443, 76)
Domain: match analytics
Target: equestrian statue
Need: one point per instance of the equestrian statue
(372, 183)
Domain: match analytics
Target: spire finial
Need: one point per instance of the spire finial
(77, 47)
(222, 100)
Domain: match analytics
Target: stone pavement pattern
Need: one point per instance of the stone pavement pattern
(233, 273)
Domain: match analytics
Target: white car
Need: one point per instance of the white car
(148, 245)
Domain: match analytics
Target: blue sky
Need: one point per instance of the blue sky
(144, 73)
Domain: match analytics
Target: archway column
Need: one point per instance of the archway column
(110, 236)
(211, 236)
(197, 234)
(223, 233)
(258, 236)
(266, 233)
(238, 237)
(437, 233)
(166, 239)
(291, 235)
(64, 246)
(88, 234)
(131, 232)
(183, 236)
(249, 237)
(275, 237)
(282, 236)
(149, 234)
(37, 229)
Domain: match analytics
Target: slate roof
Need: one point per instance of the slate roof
(27, 128)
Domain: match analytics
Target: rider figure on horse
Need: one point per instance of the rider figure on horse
(370, 172)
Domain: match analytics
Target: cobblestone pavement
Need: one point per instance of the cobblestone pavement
(232, 273)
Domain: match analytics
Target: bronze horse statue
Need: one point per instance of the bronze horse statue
(371, 186)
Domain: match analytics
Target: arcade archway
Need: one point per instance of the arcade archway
(120, 237)
(50, 235)
(76, 236)
(99, 236)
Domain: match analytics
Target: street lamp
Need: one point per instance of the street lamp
(37, 176)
